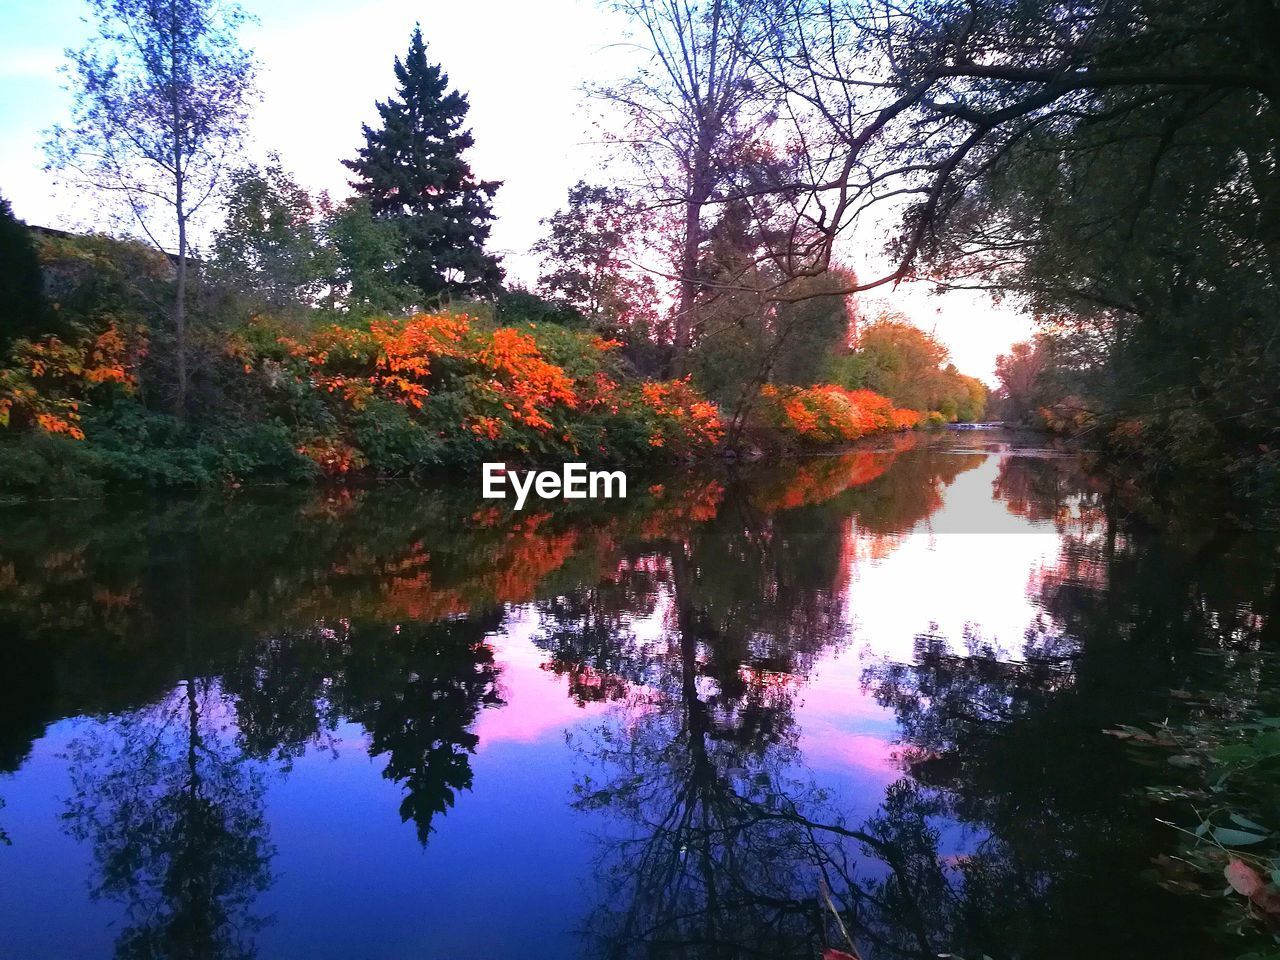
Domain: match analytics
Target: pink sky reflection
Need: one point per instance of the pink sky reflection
(537, 702)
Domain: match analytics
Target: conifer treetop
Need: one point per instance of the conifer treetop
(412, 170)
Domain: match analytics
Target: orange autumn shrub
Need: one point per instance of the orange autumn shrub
(522, 380)
(682, 417)
(906, 419)
(46, 382)
(393, 359)
(827, 414)
(435, 389)
(335, 458)
(506, 379)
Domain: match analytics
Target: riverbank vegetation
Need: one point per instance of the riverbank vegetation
(1218, 749)
(307, 338)
(748, 147)
(1101, 166)
(303, 392)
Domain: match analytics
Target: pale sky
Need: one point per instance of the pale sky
(324, 62)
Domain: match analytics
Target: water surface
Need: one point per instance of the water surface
(410, 724)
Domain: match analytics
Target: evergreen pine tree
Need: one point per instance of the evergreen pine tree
(412, 172)
(22, 307)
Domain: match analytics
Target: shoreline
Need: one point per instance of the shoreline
(445, 476)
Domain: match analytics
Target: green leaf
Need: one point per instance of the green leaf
(1242, 821)
(1236, 838)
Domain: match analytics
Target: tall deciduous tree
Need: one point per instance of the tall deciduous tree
(691, 110)
(161, 93)
(1019, 372)
(364, 252)
(269, 246)
(412, 171)
(1115, 165)
(589, 254)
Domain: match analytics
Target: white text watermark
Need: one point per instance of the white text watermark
(572, 482)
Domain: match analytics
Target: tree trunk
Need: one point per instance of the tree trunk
(180, 209)
(688, 266)
(180, 313)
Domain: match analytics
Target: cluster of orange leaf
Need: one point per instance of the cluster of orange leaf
(687, 416)
(334, 457)
(509, 382)
(827, 413)
(392, 359)
(526, 383)
(502, 386)
(47, 381)
(459, 381)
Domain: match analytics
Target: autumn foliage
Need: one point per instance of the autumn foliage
(391, 396)
(827, 414)
(684, 418)
(286, 397)
(466, 389)
(46, 381)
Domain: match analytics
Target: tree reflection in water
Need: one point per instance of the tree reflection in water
(171, 797)
(720, 838)
(695, 613)
(1014, 820)
(417, 690)
(1015, 751)
(173, 812)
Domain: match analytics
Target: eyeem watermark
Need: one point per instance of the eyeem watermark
(573, 482)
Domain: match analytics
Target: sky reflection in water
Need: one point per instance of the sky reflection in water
(396, 724)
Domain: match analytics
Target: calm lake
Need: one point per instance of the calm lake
(411, 724)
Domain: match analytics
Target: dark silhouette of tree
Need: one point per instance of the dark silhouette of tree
(585, 634)
(418, 689)
(280, 689)
(589, 258)
(1013, 751)
(22, 306)
(714, 846)
(174, 815)
(690, 110)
